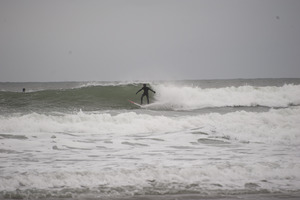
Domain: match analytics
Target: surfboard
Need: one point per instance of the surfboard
(139, 105)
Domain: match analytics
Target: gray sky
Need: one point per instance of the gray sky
(72, 40)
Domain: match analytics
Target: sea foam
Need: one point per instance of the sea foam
(279, 126)
(188, 98)
(139, 154)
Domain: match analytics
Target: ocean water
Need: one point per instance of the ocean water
(201, 139)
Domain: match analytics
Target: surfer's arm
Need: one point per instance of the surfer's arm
(152, 90)
(138, 91)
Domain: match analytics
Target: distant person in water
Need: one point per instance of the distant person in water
(146, 89)
(24, 89)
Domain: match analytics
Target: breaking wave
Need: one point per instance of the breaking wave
(275, 126)
(91, 97)
(189, 98)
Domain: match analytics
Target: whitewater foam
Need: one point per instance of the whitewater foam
(279, 126)
(140, 154)
(156, 176)
(189, 98)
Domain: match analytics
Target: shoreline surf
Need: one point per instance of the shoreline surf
(196, 140)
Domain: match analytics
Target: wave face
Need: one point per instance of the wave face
(88, 98)
(91, 97)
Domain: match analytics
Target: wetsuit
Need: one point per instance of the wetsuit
(146, 89)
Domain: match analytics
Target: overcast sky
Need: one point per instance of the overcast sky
(106, 40)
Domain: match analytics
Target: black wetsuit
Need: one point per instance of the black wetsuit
(146, 89)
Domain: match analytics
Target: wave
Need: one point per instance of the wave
(84, 97)
(141, 154)
(154, 180)
(93, 97)
(43, 86)
(274, 126)
(189, 98)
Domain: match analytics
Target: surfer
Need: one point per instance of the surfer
(146, 89)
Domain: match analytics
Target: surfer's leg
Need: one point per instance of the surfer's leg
(142, 99)
(147, 99)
